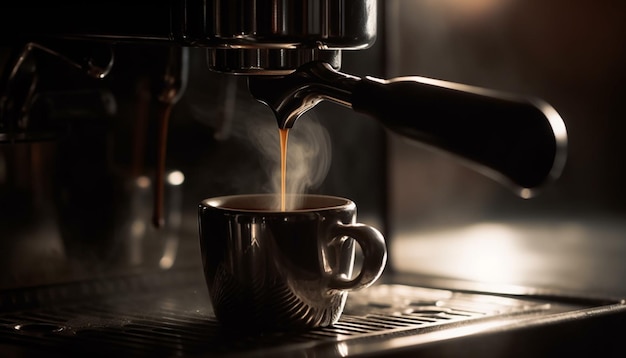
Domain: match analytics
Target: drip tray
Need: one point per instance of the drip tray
(169, 315)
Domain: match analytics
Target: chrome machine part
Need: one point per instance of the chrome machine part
(276, 37)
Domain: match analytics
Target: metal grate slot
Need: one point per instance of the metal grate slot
(353, 327)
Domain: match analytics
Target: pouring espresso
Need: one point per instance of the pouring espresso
(520, 142)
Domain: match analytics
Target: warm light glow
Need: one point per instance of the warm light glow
(143, 182)
(169, 252)
(137, 228)
(513, 255)
(484, 251)
(213, 203)
(166, 262)
(470, 9)
(175, 178)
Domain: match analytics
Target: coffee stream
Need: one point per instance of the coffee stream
(284, 134)
(308, 157)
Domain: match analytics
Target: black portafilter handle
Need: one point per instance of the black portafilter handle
(518, 141)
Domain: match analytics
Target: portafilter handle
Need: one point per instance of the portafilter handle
(518, 141)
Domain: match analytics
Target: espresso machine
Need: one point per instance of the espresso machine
(117, 119)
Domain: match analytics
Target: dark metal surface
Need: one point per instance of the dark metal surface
(168, 314)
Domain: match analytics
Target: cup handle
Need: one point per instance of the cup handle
(374, 250)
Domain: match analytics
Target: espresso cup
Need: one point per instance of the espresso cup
(268, 269)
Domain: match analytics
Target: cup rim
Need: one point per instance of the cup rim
(218, 202)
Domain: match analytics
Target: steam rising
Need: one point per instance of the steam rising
(241, 121)
(308, 156)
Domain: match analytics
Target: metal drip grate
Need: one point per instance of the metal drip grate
(179, 322)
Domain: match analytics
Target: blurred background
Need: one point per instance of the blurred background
(448, 220)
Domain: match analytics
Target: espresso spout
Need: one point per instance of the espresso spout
(520, 142)
(292, 95)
